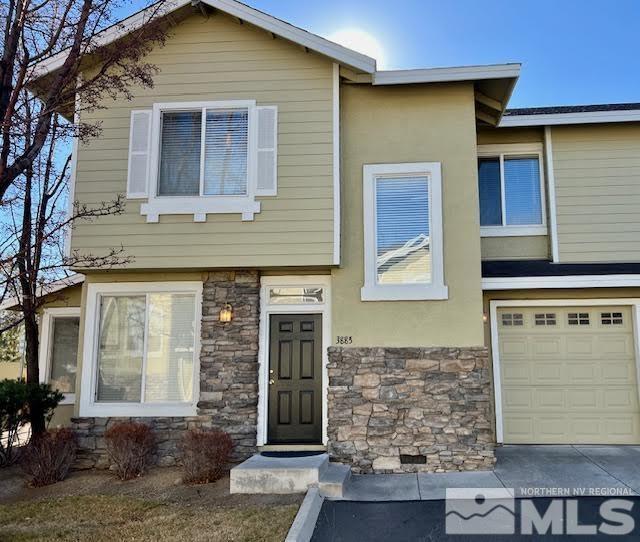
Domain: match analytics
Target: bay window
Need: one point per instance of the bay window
(144, 349)
(511, 188)
(403, 232)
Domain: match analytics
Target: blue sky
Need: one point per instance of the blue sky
(572, 51)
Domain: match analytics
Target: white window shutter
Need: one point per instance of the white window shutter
(139, 150)
(267, 183)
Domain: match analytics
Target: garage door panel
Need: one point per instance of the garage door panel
(569, 376)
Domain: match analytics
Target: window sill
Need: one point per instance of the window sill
(68, 399)
(512, 231)
(409, 292)
(247, 206)
(100, 410)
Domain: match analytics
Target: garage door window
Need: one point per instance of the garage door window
(512, 319)
(578, 318)
(546, 319)
(611, 318)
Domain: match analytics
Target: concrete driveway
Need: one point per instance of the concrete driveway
(523, 468)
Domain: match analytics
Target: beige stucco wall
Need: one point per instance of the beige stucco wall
(597, 175)
(434, 123)
(216, 58)
(513, 248)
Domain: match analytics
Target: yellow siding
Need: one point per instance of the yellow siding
(412, 124)
(219, 59)
(597, 174)
(513, 248)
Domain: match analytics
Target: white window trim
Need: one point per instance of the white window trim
(517, 149)
(494, 305)
(46, 345)
(88, 405)
(200, 206)
(267, 309)
(372, 291)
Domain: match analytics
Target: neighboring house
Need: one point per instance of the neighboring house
(382, 263)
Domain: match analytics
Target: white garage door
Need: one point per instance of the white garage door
(568, 375)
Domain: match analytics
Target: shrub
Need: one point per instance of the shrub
(15, 396)
(205, 455)
(49, 456)
(129, 446)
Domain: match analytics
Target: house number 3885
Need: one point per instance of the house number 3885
(344, 339)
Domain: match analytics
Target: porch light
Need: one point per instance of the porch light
(226, 313)
(485, 317)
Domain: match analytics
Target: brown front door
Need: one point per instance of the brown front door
(295, 378)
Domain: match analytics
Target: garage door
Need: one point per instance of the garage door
(568, 375)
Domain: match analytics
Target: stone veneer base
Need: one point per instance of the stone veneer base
(388, 406)
(228, 378)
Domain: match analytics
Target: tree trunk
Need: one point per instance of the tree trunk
(38, 425)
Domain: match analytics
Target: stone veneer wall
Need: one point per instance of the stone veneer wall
(430, 402)
(228, 377)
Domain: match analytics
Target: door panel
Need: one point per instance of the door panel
(295, 378)
(568, 375)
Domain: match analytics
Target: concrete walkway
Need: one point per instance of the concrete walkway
(518, 467)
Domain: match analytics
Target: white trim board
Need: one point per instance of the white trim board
(551, 184)
(439, 75)
(554, 119)
(88, 406)
(44, 353)
(561, 281)
(257, 18)
(336, 165)
(495, 304)
(267, 282)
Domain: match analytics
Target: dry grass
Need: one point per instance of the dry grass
(96, 507)
(107, 518)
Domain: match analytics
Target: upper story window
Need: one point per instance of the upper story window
(204, 153)
(511, 188)
(203, 157)
(403, 232)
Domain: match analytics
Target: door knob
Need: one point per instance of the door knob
(271, 382)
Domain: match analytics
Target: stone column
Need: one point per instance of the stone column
(229, 357)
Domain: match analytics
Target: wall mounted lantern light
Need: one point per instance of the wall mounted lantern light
(226, 313)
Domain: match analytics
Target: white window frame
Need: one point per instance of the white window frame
(88, 405)
(199, 206)
(514, 150)
(436, 289)
(46, 346)
(266, 310)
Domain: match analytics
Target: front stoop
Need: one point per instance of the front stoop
(282, 475)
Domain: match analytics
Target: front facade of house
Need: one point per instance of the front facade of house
(325, 256)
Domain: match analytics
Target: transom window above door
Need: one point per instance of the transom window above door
(511, 188)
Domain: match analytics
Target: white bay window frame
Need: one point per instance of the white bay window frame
(372, 289)
(89, 406)
(202, 204)
(514, 151)
(46, 346)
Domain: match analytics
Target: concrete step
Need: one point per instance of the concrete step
(334, 480)
(260, 474)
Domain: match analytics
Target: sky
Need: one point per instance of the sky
(572, 51)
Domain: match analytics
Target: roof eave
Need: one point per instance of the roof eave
(555, 119)
(445, 75)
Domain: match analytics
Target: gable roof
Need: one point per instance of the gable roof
(571, 114)
(277, 27)
(51, 288)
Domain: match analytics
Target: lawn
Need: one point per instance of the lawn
(94, 506)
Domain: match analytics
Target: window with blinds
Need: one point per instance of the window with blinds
(403, 252)
(146, 348)
(510, 191)
(64, 353)
(209, 160)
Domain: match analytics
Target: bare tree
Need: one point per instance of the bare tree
(40, 112)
